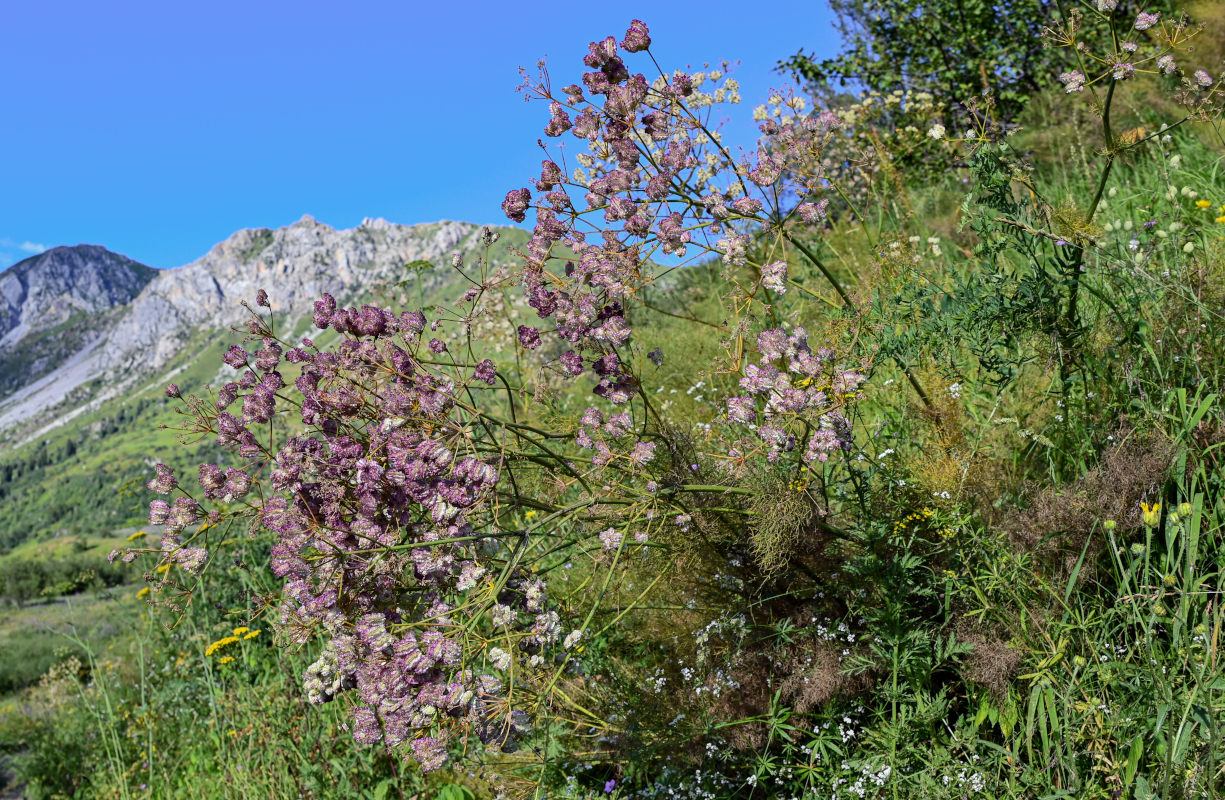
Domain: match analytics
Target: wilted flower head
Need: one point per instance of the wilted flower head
(637, 38)
(1146, 20)
(774, 276)
(1072, 81)
(164, 481)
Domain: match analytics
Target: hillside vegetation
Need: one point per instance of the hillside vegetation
(883, 462)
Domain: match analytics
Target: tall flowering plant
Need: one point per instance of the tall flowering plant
(416, 507)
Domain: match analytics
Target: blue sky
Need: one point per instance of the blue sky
(158, 129)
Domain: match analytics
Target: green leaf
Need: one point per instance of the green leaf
(1133, 760)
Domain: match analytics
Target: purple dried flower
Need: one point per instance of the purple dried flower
(429, 752)
(438, 346)
(611, 538)
(1072, 81)
(236, 357)
(1203, 78)
(485, 372)
(1145, 20)
(642, 453)
(813, 212)
(191, 559)
(172, 390)
(261, 299)
(774, 277)
(516, 203)
(559, 120)
(637, 38)
(529, 337)
(1166, 64)
(164, 481)
(237, 483)
(572, 362)
(159, 510)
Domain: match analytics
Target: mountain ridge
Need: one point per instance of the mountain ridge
(104, 349)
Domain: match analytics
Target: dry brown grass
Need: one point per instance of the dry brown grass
(1058, 520)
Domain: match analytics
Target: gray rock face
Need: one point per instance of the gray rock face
(44, 291)
(294, 265)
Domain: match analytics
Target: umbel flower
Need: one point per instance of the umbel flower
(384, 459)
(648, 150)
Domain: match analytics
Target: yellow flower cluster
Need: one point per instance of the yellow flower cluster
(252, 634)
(136, 536)
(920, 516)
(220, 643)
(227, 659)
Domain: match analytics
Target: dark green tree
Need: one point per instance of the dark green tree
(953, 49)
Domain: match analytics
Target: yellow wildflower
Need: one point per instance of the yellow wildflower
(136, 536)
(162, 569)
(530, 514)
(240, 630)
(220, 643)
(1150, 516)
(252, 634)
(1220, 219)
(1203, 203)
(143, 592)
(227, 659)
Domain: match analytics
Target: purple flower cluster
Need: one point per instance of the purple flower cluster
(384, 459)
(596, 431)
(647, 148)
(792, 388)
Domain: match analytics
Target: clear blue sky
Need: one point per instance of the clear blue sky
(159, 128)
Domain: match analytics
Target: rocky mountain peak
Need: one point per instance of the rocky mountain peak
(47, 289)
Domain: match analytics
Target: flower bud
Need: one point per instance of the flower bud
(1110, 525)
(1184, 510)
(1173, 518)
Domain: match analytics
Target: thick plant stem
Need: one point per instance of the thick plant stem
(1071, 317)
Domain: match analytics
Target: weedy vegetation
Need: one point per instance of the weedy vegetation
(882, 462)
